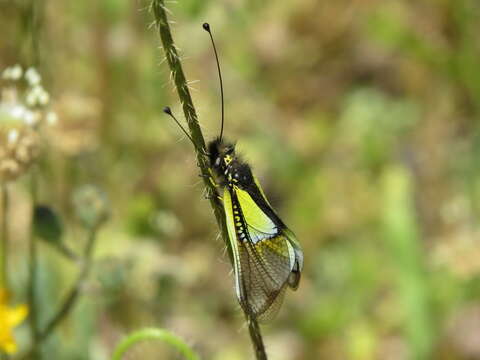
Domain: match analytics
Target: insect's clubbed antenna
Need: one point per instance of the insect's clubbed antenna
(206, 27)
(168, 111)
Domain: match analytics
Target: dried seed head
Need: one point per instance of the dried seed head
(19, 148)
(22, 111)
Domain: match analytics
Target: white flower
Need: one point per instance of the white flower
(17, 111)
(43, 97)
(37, 96)
(31, 98)
(32, 76)
(17, 72)
(12, 73)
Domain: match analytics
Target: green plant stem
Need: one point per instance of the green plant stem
(36, 7)
(71, 298)
(4, 239)
(181, 85)
(174, 63)
(32, 270)
(154, 334)
(34, 29)
(4, 248)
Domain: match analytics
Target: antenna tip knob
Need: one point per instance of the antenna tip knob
(167, 110)
(206, 27)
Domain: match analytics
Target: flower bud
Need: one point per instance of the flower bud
(91, 206)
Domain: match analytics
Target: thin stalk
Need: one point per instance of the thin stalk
(34, 28)
(73, 294)
(181, 85)
(256, 337)
(175, 65)
(4, 241)
(4, 248)
(154, 334)
(36, 7)
(32, 271)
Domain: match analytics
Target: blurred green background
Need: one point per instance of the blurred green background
(361, 120)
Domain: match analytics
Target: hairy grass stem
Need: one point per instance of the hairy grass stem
(181, 85)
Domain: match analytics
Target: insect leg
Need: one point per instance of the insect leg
(210, 177)
(210, 195)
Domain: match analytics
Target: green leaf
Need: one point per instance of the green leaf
(47, 225)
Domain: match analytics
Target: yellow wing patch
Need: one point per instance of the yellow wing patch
(259, 224)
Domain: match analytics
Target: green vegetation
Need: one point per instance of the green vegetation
(359, 118)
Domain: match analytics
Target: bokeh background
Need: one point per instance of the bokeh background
(361, 120)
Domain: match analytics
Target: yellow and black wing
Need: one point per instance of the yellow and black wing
(267, 257)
